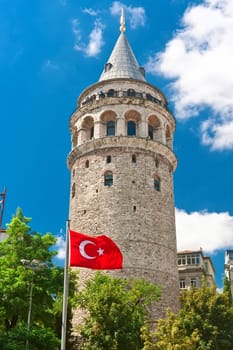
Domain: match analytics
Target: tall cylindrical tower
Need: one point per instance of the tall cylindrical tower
(122, 166)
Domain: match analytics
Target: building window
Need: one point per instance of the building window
(193, 282)
(193, 259)
(182, 283)
(182, 260)
(108, 159)
(108, 179)
(131, 92)
(73, 190)
(87, 164)
(111, 93)
(134, 158)
(150, 132)
(156, 184)
(92, 132)
(111, 128)
(107, 67)
(131, 128)
(190, 259)
(156, 163)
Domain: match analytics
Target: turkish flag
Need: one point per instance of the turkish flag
(99, 253)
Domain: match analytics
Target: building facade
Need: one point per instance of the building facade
(122, 165)
(228, 267)
(193, 267)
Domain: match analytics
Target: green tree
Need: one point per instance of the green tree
(116, 311)
(26, 266)
(205, 322)
(227, 288)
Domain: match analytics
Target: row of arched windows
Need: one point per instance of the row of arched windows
(131, 129)
(132, 126)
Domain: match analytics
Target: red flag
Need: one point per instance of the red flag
(99, 253)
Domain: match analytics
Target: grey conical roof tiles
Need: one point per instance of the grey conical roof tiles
(122, 62)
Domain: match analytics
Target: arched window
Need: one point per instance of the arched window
(131, 92)
(111, 128)
(150, 132)
(87, 129)
(157, 183)
(131, 128)
(111, 93)
(108, 178)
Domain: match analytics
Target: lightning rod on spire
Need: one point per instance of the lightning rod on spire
(122, 22)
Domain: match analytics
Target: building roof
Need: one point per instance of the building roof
(122, 62)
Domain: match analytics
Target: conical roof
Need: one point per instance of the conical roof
(122, 62)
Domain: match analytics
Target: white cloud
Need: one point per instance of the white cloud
(93, 47)
(61, 248)
(137, 15)
(90, 11)
(211, 231)
(198, 60)
(49, 64)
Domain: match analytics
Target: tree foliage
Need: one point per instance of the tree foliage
(205, 322)
(17, 279)
(116, 311)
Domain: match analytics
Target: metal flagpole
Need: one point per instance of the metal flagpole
(65, 290)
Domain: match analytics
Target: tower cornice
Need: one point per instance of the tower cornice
(125, 142)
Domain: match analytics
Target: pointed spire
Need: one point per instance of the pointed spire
(122, 62)
(122, 22)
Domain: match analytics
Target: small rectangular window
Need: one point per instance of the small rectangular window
(182, 283)
(108, 159)
(193, 282)
(108, 179)
(134, 159)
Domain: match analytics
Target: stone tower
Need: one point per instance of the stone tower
(122, 167)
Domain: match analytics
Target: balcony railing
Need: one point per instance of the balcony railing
(116, 93)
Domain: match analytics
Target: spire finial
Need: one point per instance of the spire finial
(122, 22)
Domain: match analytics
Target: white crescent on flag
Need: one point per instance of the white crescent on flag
(82, 251)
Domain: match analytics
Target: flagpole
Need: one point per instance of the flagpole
(65, 290)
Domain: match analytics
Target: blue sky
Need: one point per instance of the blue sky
(51, 50)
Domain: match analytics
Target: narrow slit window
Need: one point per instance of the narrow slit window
(92, 132)
(73, 190)
(150, 132)
(134, 158)
(156, 184)
(87, 164)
